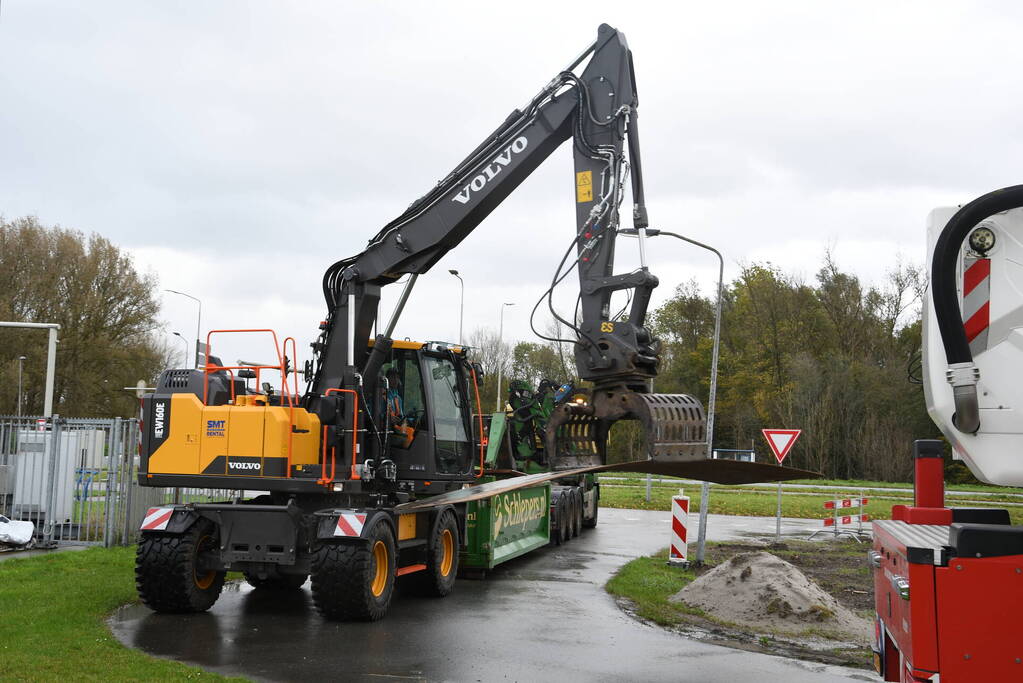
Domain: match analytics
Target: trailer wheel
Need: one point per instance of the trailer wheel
(355, 580)
(577, 512)
(591, 522)
(564, 520)
(554, 519)
(280, 582)
(169, 575)
(438, 578)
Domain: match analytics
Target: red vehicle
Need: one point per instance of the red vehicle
(948, 582)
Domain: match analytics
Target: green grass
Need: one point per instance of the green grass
(741, 501)
(648, 582)
(851, 484)
(52, 625)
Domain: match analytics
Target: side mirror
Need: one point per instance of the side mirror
(478, 369)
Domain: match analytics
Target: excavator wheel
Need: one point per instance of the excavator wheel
(169, 574)
(279, 582)
(354, 580)
(438, 578)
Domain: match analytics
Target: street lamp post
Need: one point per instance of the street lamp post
(461, 306)
(705, 490)
(185, 341)
(198, 321)
(500, 363)
(21, 363)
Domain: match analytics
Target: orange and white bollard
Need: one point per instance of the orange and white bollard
(678, 553)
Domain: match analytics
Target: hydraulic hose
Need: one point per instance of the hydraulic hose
(962, 373)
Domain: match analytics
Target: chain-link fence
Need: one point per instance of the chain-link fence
(76, 480)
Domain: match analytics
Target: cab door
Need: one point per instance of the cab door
(450, 412)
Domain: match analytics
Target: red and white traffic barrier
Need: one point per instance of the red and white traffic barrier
(841, 516)
(846, 519)
(845, 503)
(678, 554)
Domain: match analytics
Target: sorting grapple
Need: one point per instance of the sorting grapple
(674, 424)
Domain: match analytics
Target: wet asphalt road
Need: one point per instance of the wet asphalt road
(541, 617)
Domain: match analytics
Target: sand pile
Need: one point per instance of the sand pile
(761, 591)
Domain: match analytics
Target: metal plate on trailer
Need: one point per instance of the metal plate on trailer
(717, 471)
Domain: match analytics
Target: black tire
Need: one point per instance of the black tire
(591, 522)
(166, 573)
(569, 515)
(564, 519)
(438, 578)
(577, 512)
(280, 582)
(555, 522)
(355, 580)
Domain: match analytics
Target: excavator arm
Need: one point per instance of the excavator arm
(615, 354)
(598, 111)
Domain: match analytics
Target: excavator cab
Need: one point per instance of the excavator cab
(425, 408)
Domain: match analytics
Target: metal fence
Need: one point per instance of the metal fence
(76, 480)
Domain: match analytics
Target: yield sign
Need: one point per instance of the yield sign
(780, 441)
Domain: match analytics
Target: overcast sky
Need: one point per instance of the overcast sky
(237, 149)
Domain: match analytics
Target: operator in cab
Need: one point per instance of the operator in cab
(396, 417)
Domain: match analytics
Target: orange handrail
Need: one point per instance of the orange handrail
(287, 390)
(355, 433)
(479, 414)
(208, 368)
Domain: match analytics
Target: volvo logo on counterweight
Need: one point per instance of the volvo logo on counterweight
(488, 172)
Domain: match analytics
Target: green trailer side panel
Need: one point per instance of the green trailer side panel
(506, 525)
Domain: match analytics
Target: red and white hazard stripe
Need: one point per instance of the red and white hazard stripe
(977, 302)
(156, 519)
(350, 524)
(679, 553)
(844, 503)
(846, 519)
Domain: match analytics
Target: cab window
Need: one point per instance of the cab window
(449, 416)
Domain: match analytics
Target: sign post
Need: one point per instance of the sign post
(780, 441)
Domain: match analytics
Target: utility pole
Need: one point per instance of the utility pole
(500, 363)
(461, 307)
